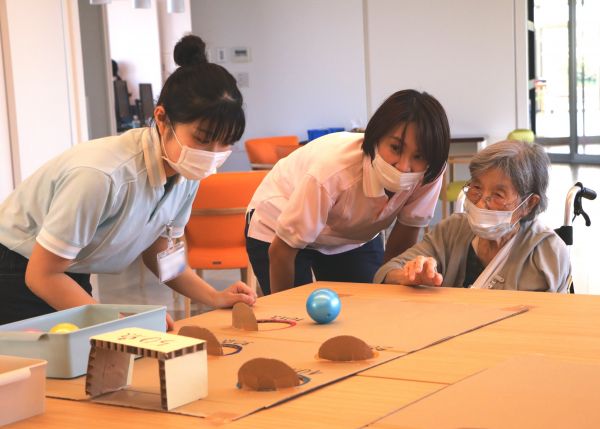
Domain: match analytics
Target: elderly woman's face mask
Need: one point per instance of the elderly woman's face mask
(491, 224)
(492, 204)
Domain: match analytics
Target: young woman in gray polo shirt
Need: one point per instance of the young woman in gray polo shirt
(98, 206)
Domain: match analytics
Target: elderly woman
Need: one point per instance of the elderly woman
(498, 243)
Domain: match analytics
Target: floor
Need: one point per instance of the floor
(134, 288)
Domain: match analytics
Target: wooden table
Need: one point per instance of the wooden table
(566, 326)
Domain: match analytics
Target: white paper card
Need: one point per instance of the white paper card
(171, 262)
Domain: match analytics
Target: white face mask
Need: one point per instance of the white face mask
(393, 179)
(196, 164)
(490, 224)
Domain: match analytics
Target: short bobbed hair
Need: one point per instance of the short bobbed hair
(526, 164)
(430, 120)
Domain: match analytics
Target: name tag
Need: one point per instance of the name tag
(171, 262)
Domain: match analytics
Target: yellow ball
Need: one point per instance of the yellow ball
(63, 328)
(521, 134)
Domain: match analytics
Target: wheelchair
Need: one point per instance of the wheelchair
(574, 208)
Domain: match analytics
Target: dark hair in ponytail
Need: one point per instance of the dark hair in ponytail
(199, 90)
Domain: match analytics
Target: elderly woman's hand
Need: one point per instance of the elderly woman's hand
(420, 271)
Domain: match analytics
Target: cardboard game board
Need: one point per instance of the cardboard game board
(518, 393)
(392, 326)
(225, 400)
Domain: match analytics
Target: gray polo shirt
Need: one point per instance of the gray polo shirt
(101, 203)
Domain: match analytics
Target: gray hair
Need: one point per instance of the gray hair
(526, 164)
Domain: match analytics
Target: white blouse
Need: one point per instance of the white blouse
(325, 196)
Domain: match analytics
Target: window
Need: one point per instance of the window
(565, 78)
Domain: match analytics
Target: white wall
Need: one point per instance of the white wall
(317, 64)
(312, 63)
(6, 171)
(460, 51)
(172, 27)
(135, 44)
(97, 70)
(38, 57)
(307, 61)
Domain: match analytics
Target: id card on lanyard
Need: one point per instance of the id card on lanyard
(171, 262)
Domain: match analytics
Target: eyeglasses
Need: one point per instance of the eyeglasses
(494, 201)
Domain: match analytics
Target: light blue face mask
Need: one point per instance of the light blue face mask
(491, 224)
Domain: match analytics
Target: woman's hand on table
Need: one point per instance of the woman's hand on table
(170, 323)
(237, 292)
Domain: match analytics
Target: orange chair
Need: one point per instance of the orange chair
(215, 232)
(264, 152)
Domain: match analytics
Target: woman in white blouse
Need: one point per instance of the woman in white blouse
(321, 209)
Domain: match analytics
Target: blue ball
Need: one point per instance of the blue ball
(323, 305)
